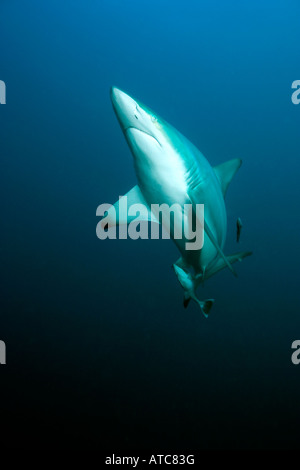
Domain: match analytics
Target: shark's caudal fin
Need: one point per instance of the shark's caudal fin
(205, 305)
(226, 171)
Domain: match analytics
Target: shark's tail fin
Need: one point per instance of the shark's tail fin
(205, 305)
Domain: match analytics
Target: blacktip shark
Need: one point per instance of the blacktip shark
(170, 169)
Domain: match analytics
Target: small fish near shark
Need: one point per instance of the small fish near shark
(170, 169)
(239, 226)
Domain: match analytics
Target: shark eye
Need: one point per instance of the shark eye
(153, 119)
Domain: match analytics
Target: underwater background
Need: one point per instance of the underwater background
(100, 351)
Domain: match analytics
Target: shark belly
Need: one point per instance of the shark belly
(170, 179)
(165, 184)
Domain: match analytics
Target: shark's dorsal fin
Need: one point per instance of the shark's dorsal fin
(226, 171)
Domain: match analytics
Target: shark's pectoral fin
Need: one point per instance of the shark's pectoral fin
(226, 171)
(231, 258)
(218, 248)
(120, 212)
(210, 235)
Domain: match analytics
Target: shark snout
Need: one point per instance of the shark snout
(126, 108)
(136, 121)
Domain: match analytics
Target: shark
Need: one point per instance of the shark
(171, 170)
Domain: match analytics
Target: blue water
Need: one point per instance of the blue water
(100, 351)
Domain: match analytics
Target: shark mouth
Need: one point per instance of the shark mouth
(135, 129)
